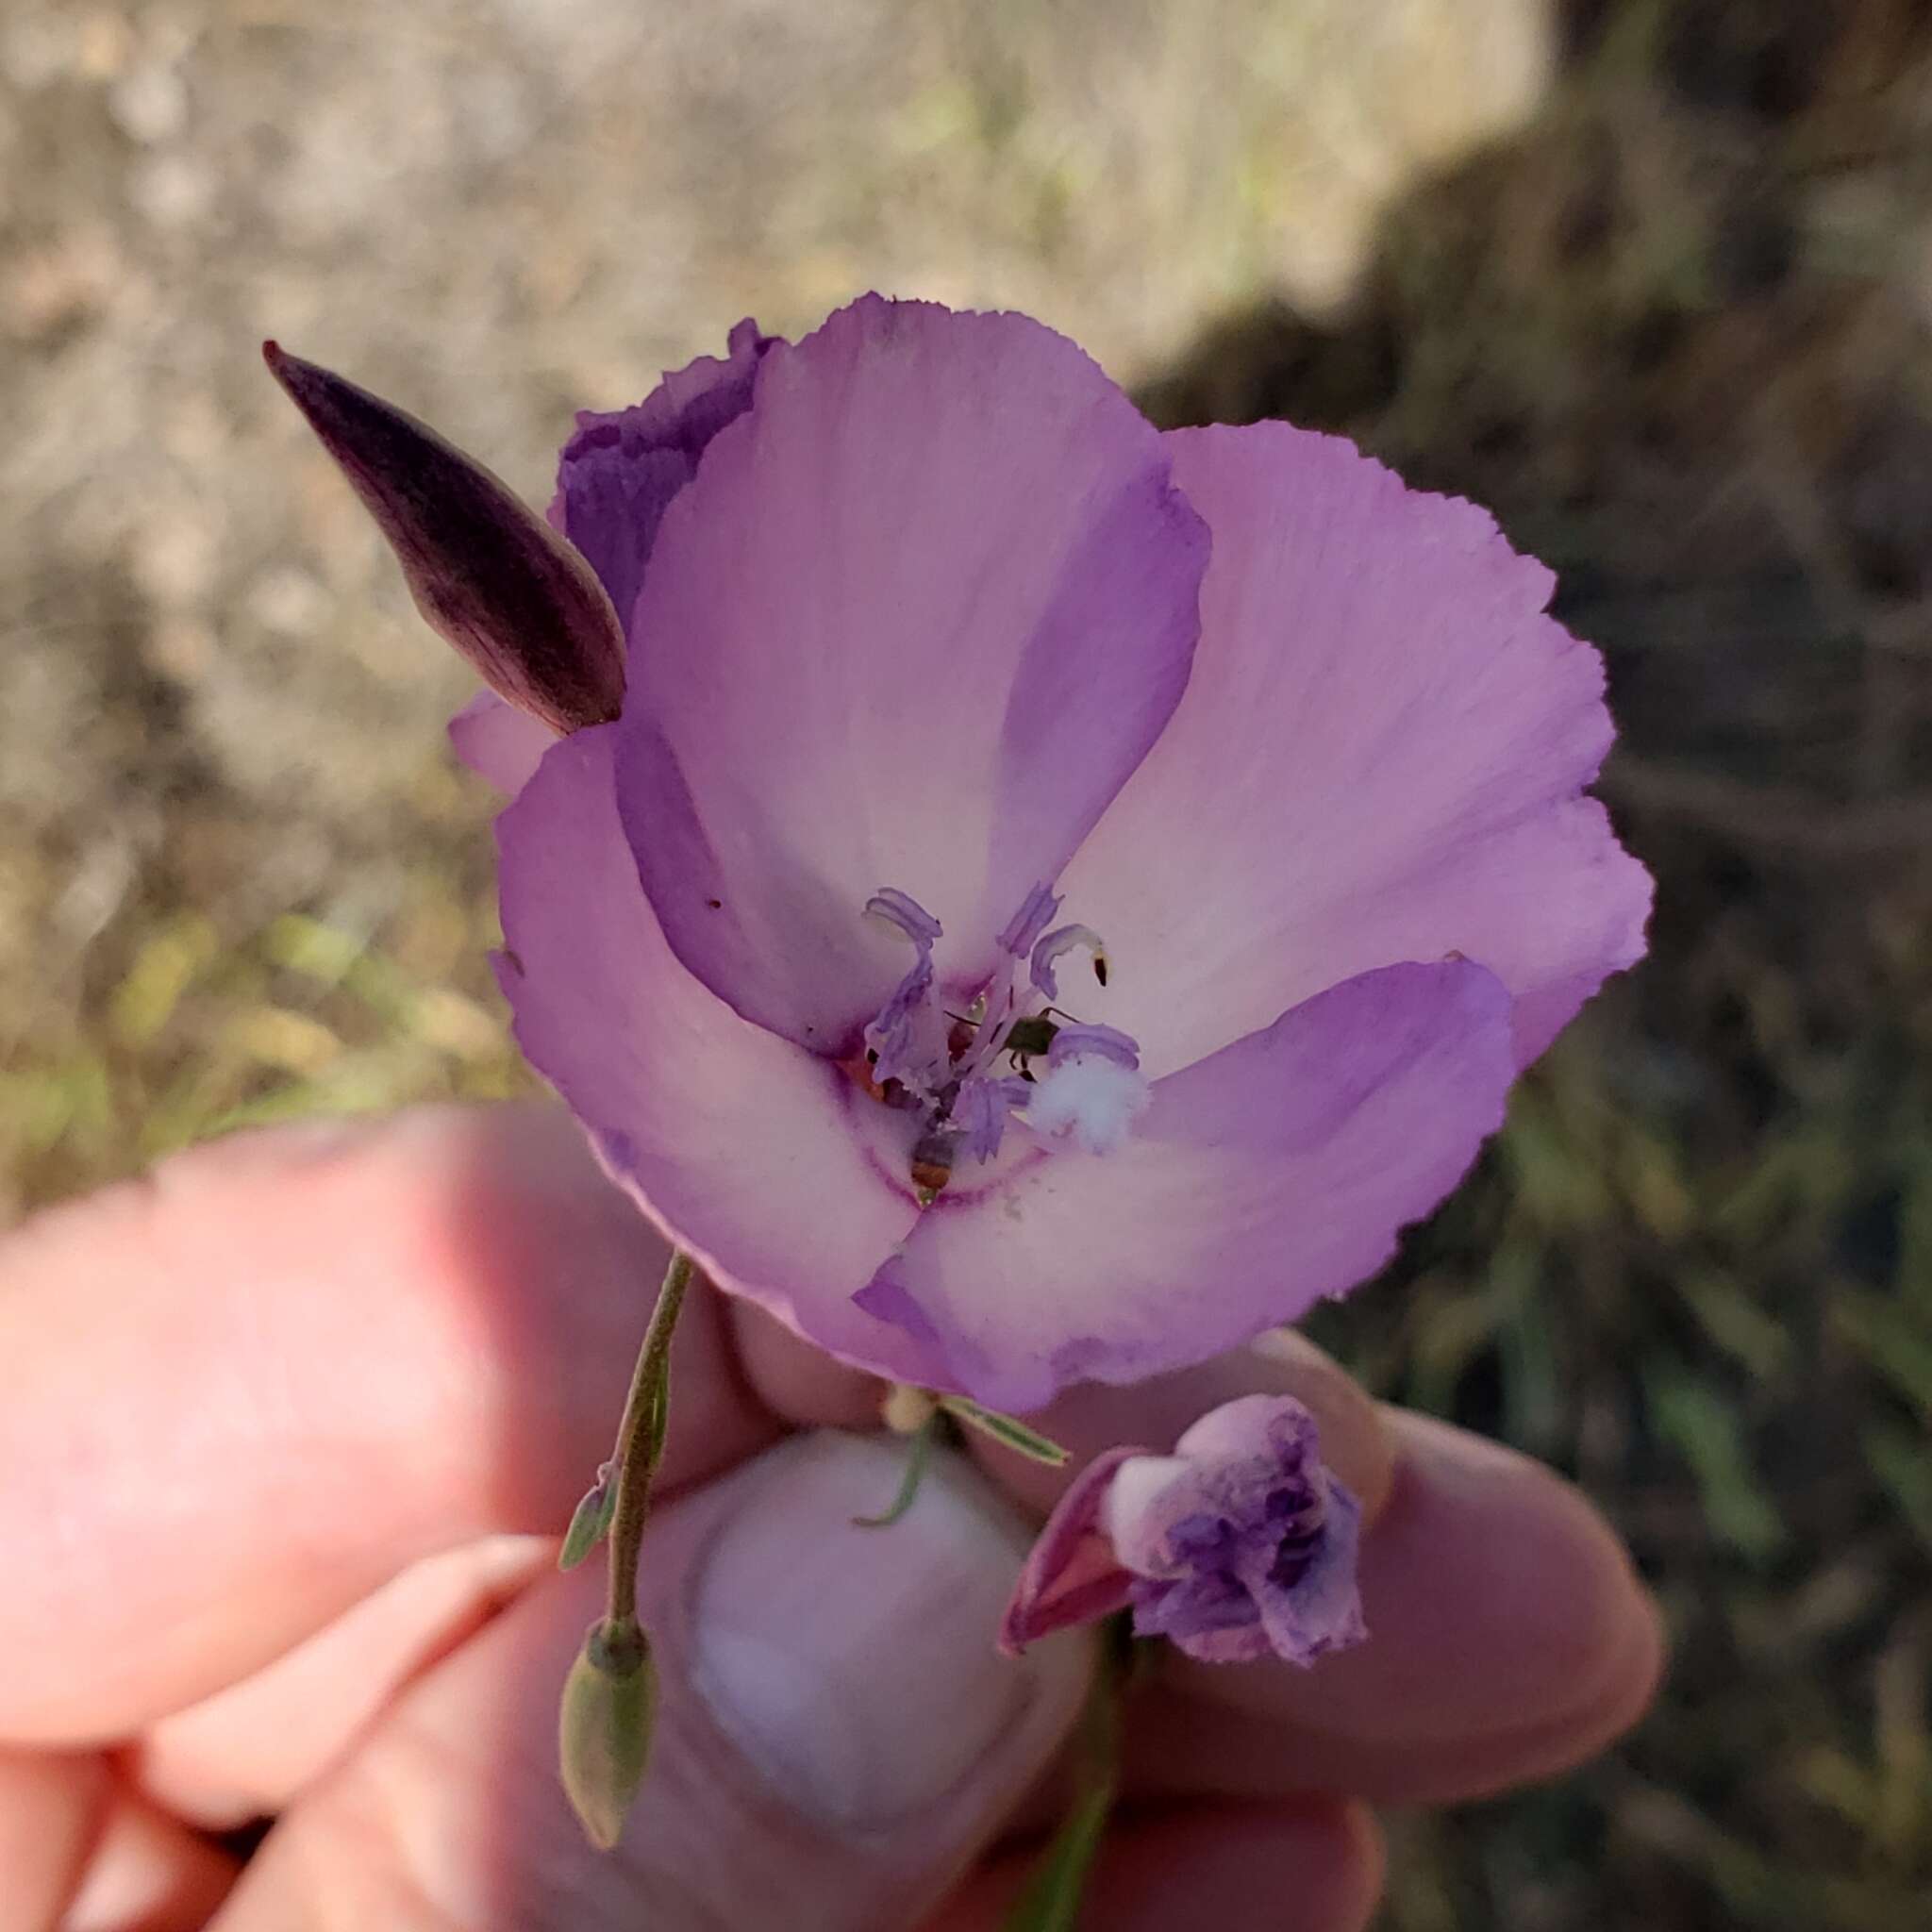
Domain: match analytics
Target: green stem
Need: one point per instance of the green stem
(1054, 1896)
(640, 1441)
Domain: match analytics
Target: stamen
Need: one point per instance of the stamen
(900, 1037)
(1105, 1042)
(980, 1109)
(905, 1038)
(903, 910)
(1063, 939)
(1030, 921)
(940, 1064)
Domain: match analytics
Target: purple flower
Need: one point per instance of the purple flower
(1239, 1546)
(932, 642)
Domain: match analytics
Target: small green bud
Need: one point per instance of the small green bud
(604, 1730)
(590, 1523)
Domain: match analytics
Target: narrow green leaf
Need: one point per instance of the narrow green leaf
(1711, 1437)
(659, 1420)
(918, 1453)
(1004, 1428)
(590, 1523)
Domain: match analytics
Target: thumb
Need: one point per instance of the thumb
(835, 1738)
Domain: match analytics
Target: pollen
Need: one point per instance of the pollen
(1090, 1100)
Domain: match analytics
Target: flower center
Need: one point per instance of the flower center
(1012, 1053)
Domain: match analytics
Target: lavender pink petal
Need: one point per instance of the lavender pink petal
(934, 597)
(501, 744)
(1274, 1172)
(619, 472)
(1381, 757)
(737, 1144)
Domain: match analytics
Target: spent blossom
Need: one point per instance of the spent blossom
(1056, 898)
(1239, 1545)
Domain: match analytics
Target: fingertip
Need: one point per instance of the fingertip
(52, 1808)
(1357, 1866)
(1630, 1678)
(1313, 1866)
(1559, 1587)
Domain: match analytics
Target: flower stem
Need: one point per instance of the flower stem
(640, 1442)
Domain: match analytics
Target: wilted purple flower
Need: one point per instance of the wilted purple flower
(1239, 1546)
(925, 647)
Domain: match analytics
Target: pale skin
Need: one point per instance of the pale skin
(291, 1426)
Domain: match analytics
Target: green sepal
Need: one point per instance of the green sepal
(1004, 1428)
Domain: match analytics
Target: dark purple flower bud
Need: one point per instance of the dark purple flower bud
(488, 574)
(1239, 1546)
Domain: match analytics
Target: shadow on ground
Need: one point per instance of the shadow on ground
(1675, 335)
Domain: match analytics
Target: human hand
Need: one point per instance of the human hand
(290, 1429)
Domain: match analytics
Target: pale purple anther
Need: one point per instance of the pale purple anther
(903, 910)
(1031, 920)
(1094, 1043)
(905, 1039)
(902, 1039)
(1238, 1546)
(1060, 942)
(980, 1109)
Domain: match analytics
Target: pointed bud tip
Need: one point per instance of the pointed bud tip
(488, 574)
(294, 375)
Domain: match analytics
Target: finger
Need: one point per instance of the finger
(148, 1873)
(238, 1396)
(50, 1810)
(79, 1853)
(1507, 1636)
(247, 1751)
(1180, 1746)
(1239, 1868)
(835, 1739)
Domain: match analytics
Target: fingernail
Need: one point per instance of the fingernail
(855, 1668)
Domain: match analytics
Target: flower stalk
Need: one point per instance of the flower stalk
(640, 1442)
(610, 1700)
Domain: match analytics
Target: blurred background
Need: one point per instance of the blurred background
(1652, 278)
